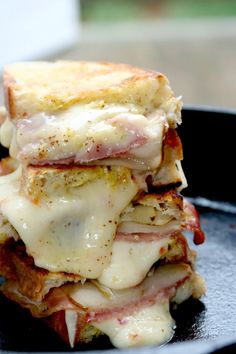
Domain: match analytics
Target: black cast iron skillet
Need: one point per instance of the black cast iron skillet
(207, 326)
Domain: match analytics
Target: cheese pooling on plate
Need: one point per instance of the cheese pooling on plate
(91, 216)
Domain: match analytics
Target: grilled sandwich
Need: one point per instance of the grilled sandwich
(91, 217)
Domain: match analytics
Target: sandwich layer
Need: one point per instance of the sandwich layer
(71, 229)
(117, 313)
(131, 253)
(103, 114)
(84, 134)
(34, 282)
(68, 220)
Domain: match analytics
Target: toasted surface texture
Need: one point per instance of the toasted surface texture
(38, 183)
(33, 282)
(33, 87)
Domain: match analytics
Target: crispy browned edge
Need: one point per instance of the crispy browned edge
(33, 282)
(57, 98)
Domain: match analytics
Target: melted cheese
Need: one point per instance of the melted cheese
(88, 133)
(6, 230)
(71, 323)
(170, 172)
(8, 136)
(6, 132)
(91, 296)
(138, 315)
(184, 183)
(10, 184)
(151, 325)
(136, 257)
(73, 232)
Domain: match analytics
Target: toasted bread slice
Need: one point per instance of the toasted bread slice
(39, 183)
(33, 87)
(32, 281)
(84, 112)
(154, 209)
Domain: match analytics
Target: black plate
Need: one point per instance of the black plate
(209, 147)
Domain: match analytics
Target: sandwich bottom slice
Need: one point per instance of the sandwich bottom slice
(80, 310)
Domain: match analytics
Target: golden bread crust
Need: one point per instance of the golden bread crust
(33, 87)
(38, 183)
(32, 281)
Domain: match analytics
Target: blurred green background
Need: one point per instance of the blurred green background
(129, 10)
(193, 42)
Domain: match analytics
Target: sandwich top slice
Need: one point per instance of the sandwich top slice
(84, 112)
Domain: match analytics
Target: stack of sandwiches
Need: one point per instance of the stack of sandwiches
(91, 216)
